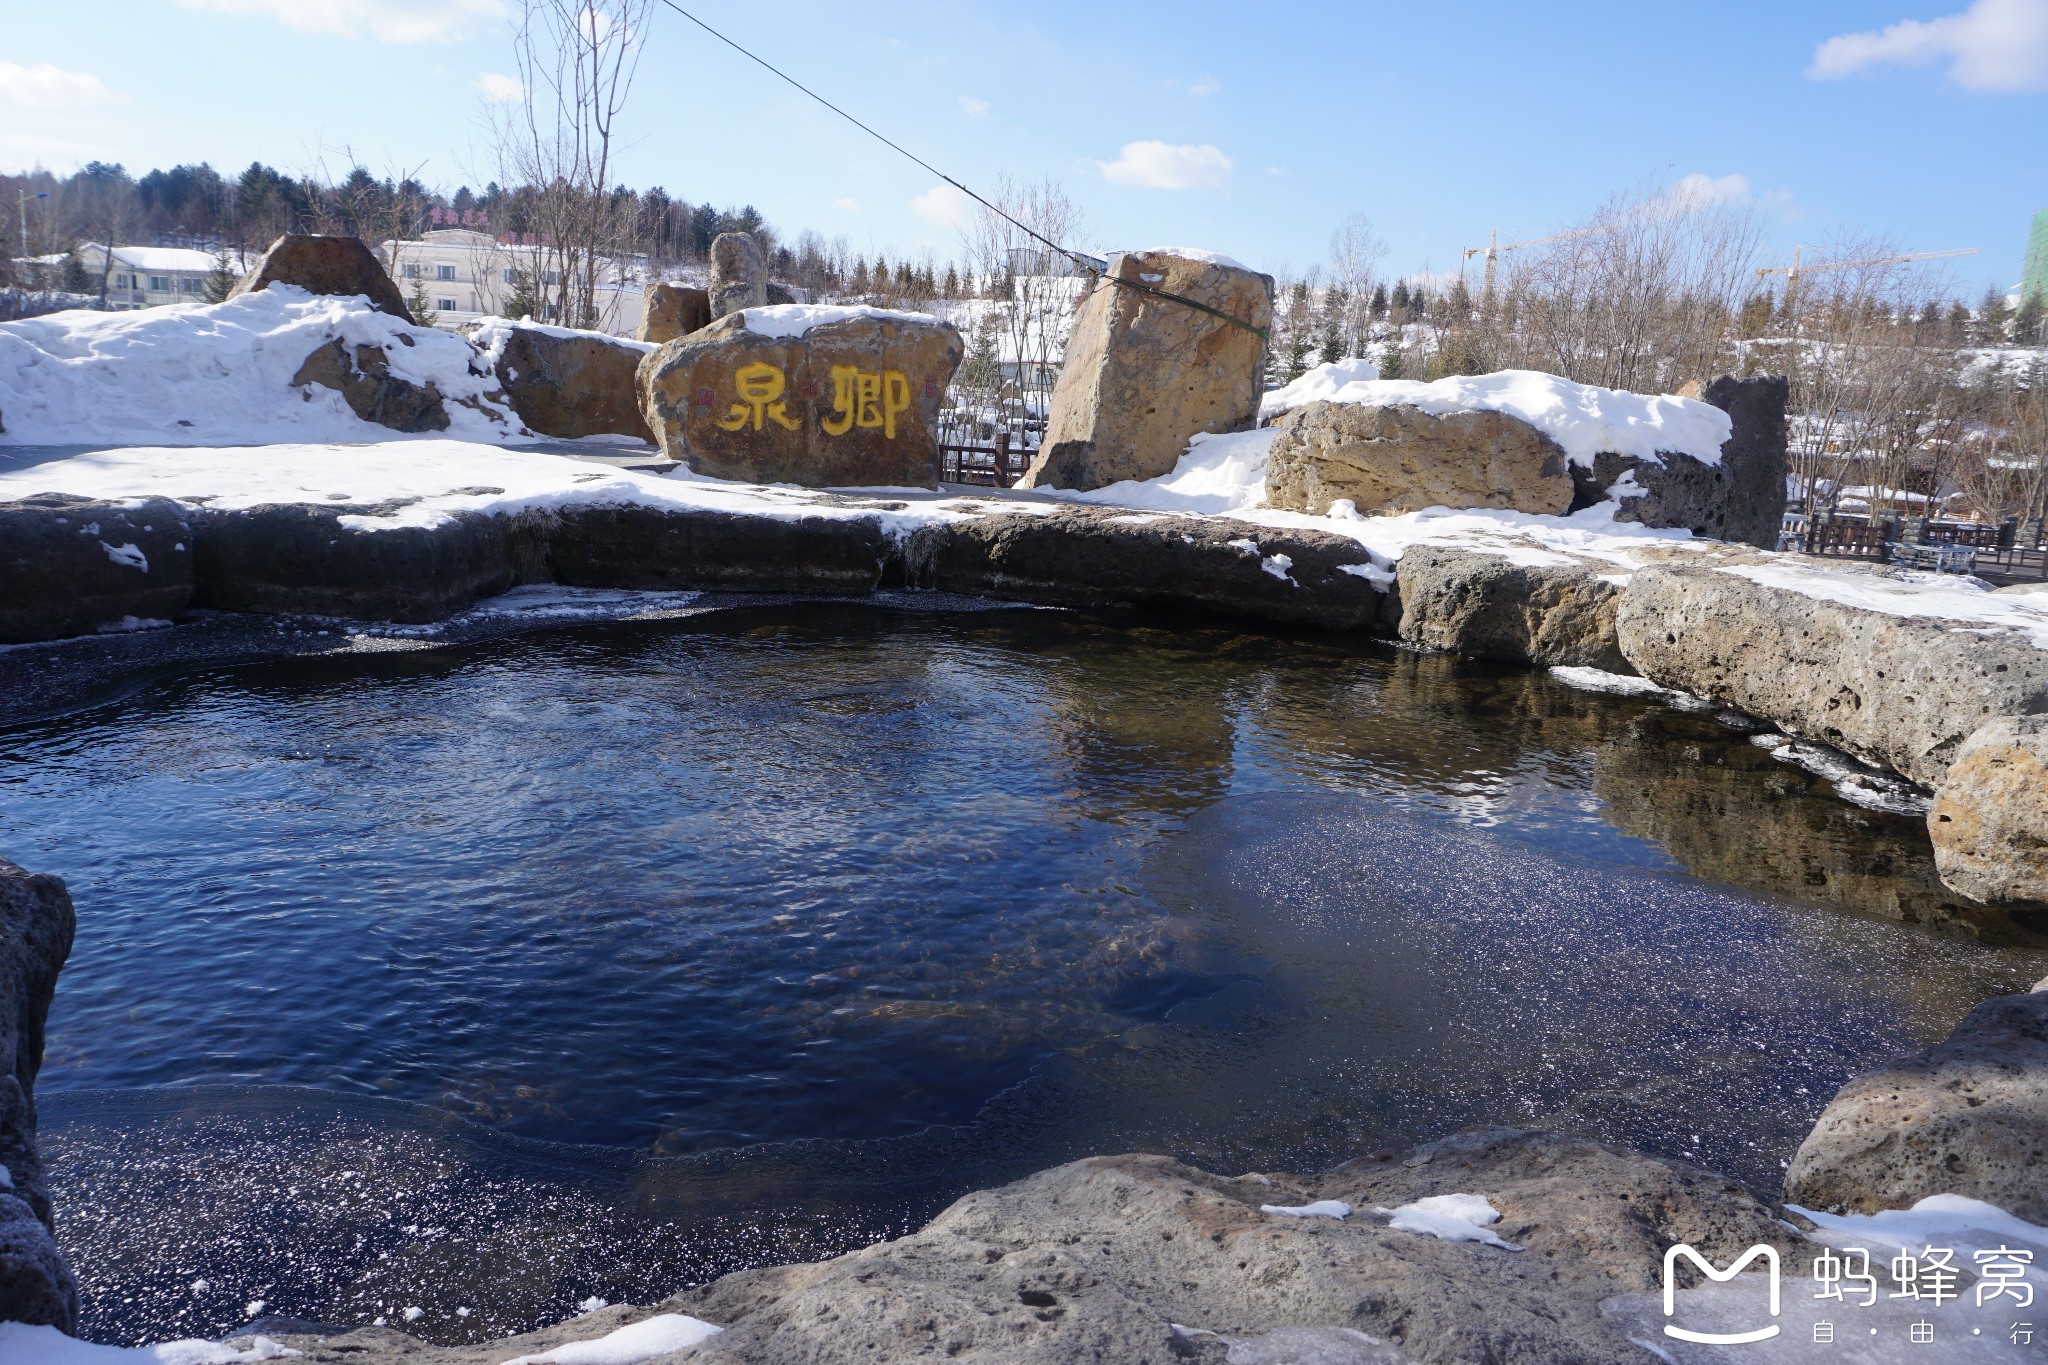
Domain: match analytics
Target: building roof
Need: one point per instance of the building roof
(165, 258)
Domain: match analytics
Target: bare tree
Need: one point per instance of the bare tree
(1355, 254)
(576, 61)
(1031, 293)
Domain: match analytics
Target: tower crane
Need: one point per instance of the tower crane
(1491, 251)
(1793, 271)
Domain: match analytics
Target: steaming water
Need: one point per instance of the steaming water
(605, 959)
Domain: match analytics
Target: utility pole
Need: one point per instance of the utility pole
(21, 199)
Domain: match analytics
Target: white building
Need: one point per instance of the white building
(150, 276)
(465, 275)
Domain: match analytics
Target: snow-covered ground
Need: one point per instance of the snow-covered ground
(221, 374)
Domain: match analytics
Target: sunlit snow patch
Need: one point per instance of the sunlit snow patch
(631, 1344)
(1322, 1208)
(48, 1346)
(1600, 680)
(1858, 783)
(1451, 1218)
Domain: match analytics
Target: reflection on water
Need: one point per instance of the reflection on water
(626, 955)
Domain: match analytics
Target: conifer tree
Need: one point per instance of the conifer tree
(221, 278)
(1993, 316)
(1379, 302)
(951, 289)
(1391, 365)
(1333, 343)
(1399, 302)
(859, 283)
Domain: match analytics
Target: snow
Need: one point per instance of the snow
(491, 334)
(48, 1346)
(1958, 602)
(1322, 1208)
(1190, 253)
(218, 374)
(1600, 680)
(1322, 384)
(788, 320)
(147, 258)
(129, 554)
(1225, 473)
(1857, 783)
(631, 1344)
(425, 483)
(1950, 1220)
(1450, 1218)
(1584, 419)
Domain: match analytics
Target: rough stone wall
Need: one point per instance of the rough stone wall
(36, 926)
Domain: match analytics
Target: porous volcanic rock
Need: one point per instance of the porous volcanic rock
(1902, 691)
(1968, 1116)
(325, 265)
(1989, 820)
(36, 926)
(1091, 556)
(1741, 498)
(674, 310)
(1144, 374)
(739, 276)
(570, 384)
(69, 565)
(1533, 606)
(1390, 460)
(850, 403)
(1144, 1261)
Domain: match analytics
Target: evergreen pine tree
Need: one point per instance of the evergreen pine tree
(1391, 365)
(859, 283)
(1399, 302)
(221, 278)
(1993, 316)
(74, 278)
(2027, 322)
(1333, 343)
(1379, 302)
(420, 306)
(951, 288)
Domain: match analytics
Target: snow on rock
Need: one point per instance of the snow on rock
(221, 374)
(1584, 419)
(490, 335)
(425, 483)
(48, 1346)
(1615, 684)
(1949, 1220)
(1966, 603)
(1224, 473)
(631, 1344)
(785, 321)
(1321, 1208)
(1190, 253)
(1450, 1218)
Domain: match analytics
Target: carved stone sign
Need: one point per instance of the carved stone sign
(827, 398)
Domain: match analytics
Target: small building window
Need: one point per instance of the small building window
(511, 275)
(160, 283)
(415, 271)
(445, 305)
(124, 282)
(191, 286)
(444, 272)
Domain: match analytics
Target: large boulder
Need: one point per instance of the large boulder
(1739, 498)
(1968, 1116)
(325, 265)
(739, 275)
(1778, 640)
(1989, 820)
(1144, 374)
(71, 565)
(1525, 604)
(566, 383)
(674, 310)
(36, 925)
(828, 398)
(1390, 460)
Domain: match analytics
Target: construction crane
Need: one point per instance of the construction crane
(1491, 251)
(1793, 271)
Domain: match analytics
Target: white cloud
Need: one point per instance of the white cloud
(973, 107)
(943, 206)
(388, 21)
(1162, 166)
(1276, 170)
(1205, 87)
(1698, 191)
(44, 86)
(1992, 45)
(499, 88)
(850, 205)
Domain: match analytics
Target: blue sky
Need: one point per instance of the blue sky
(1924, 121)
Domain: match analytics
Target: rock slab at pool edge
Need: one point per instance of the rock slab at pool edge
(1143, 374)
(36, 927)
(849, 404)
(1989, 820)
(1501, 606)
(1968, 1116)
(325, 265)
(70, 565)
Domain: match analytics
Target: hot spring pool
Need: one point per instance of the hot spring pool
(600, 959)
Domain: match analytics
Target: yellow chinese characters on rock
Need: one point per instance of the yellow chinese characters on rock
(866, 398)
(760, 387)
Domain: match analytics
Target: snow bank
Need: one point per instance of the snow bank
(214, 374)
(426, 483)
(1322, 1208)
(787, 320)
(48, 1346)
(1224, 473)
(1950, 1220)
(1450, 1218)
(1582, 418)
(631, 1344)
